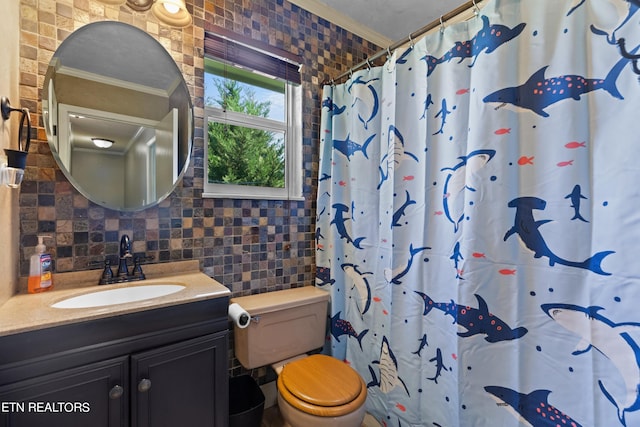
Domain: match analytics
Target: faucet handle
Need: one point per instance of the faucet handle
(137, 268)
(107, 273)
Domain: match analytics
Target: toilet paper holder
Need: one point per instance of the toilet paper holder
(240, 317)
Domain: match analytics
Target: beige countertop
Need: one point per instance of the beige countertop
(26, 312)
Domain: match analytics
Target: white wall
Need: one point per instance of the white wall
(100, 173)
(9, 82)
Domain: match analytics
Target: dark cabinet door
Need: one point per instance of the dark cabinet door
(91, 395)
(183, 384)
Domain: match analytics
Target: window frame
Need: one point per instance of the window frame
(291, 127)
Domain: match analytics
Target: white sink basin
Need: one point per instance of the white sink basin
(118, 296)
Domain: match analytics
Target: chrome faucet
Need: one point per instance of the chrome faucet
(123, 274)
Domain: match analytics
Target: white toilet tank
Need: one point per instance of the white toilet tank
(283, 324)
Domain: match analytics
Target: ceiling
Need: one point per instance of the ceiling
(383, 22)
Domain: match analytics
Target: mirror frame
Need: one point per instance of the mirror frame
(119, 58)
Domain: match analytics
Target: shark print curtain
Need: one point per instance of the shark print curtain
(478, 220)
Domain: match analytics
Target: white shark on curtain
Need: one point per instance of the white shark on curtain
(478, 220)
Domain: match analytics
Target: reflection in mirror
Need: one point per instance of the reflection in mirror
(114, 83)
(136, 149)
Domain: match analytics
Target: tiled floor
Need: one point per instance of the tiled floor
(272, 418)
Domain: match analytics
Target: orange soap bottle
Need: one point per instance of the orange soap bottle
(40, 276)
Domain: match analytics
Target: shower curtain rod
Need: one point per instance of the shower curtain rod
(410, 38)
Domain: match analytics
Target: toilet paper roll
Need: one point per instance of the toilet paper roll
(239, 315)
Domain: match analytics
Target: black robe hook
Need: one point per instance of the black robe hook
(6, 109)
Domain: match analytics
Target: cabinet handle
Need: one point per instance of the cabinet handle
(116, 392)
(144, 385)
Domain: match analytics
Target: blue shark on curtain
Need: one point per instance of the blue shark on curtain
(478, 219)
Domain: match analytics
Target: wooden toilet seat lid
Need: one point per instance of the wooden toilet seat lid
(322, 385)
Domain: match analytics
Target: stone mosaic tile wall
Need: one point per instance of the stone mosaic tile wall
(248, 245)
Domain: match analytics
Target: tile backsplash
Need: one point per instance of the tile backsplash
(248, 245)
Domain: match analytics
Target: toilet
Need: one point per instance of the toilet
(315, 390)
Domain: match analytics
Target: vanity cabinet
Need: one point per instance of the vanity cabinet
(176, 385)
(156, 368)
(73, 397)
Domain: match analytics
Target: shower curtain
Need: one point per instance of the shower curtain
(478, 221)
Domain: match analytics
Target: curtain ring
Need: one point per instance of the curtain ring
(388, 52)
(441, 25)
(410, 41)
(476, 9)
(333, 83)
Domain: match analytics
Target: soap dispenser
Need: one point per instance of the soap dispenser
(40, 276)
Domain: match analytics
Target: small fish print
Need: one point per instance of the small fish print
(567, 163)
(575, 144)
(377, 299)
(462, 91)
(342, 184)
(401, 407)
(385, 312)
(507, 272)
(438, 213)
(454, 356)
(408, 178)
(502, 131)
(524, 160)
(478, 255)
(423, 343)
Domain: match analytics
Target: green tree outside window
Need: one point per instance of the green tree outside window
(242, 155)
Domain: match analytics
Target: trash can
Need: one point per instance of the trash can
(246, 402)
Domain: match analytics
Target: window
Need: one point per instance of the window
(253, 134)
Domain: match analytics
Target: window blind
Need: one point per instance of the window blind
(239, 51)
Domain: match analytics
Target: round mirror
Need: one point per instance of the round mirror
(118, 116)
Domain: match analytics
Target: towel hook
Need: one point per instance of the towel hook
(6, 110)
